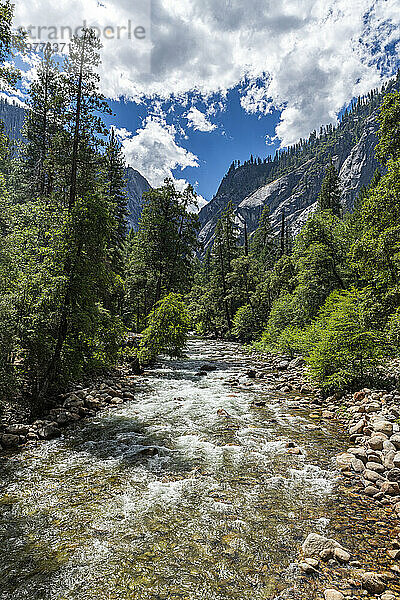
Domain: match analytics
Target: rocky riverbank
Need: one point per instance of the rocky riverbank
(82, 402)
(370, 463)
(329, 568)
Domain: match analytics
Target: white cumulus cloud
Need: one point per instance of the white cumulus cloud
(153, 150)
(198, 121)
(306, 58)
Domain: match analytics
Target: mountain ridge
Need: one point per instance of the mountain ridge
(292, 180)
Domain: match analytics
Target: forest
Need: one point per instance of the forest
(74, 281)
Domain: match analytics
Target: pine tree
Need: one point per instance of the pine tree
(225, 249)
(85, 105)
(9, 41)
(330, 195)
(161, 259)
(115, 180)
(44, 121)
(263, 245)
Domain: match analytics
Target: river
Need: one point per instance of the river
(216, 509)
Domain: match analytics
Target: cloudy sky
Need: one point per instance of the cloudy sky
(195, 84)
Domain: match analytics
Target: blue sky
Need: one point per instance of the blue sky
(213, 81)
(236, 136)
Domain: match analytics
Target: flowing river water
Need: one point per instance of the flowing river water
(216, 511)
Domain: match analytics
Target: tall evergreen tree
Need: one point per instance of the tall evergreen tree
(162, 253)
(43, 123)
(330, 195)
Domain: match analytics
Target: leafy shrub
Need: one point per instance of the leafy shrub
(346, 347)
(167, 329)
(244, 323)
(393, 330)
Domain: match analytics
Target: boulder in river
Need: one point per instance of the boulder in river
(373, 583)
(344, 460)
(318, 546)
(8, 440)
(208, 367)
(221, 412)
(18, 429)
(49, 432)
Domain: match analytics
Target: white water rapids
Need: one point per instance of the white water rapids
(218, 512)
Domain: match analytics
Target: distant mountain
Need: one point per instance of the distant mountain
(292, 180)
(137, 185)
(13, 118)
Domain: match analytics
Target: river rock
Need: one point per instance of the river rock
(343, 461)
(357, 465)
(374, 457)
(373, 583)
(394, 475)
(390, 488)
(373, 407)
(208, 367)
(9, 440)
(385, 427)
(116, 400)
(395, 439)
(372, 476)
(64, 418)
(388, 446)
(18, 429)
(221, 412)
(306, 568)
(317, 546)
(374, 466)
(283, 365)
(359, 452)
(371, 490)
(333, 595)
(388, 460)
(396, 460)
(388, 596)
(149, 451)
(49, 432)
(358, 427)
(375, 443)
(341, 555)
(313, 562)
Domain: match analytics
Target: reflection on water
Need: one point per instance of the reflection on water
(218, 512)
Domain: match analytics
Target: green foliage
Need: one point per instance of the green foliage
(329, 197)
(60, 230)
(9, 41)
(393, 331)
(388, 147)
(348, 347)
(161, 254)
(167, 329)
(245, 323)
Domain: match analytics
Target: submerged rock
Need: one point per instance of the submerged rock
(8, 440)
(373, 583)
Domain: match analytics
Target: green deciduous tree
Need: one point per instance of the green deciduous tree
(167, 329)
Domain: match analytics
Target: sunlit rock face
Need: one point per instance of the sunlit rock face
(296, 192)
